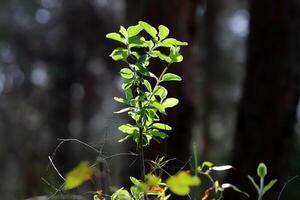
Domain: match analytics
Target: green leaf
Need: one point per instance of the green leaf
(162, 126)
(207, 164)
(116, 36)
(254, 184)
(95, 197)
(128, 94)
(120, 100)
(128, 128)
(119, 54)
(148, 85)
(134, 30)
(123, 31)
(136, 41)
(161, 92)
(159, 106)
(127, 84)
(163, 32)
(80, 174)
(157, 133)
(152, 180)
(126, 73)
(180, 184)
(173, 42)
(121, 194)
(171, 77)
(162, 56)
(135, 181)
(170, 102)
(149, 29)
(269, 185)
(262, 170)
(175, 55)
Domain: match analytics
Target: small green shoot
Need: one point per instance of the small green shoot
(262, 188)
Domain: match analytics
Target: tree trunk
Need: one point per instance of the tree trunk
(267, 112)
(179, 16)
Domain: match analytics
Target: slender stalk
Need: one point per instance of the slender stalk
(157, 83)
(141, 154)
(261, 188)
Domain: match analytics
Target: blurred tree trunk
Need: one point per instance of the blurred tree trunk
(179, 16)
(210, 66)
(267, 112)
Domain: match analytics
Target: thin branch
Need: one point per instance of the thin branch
(80, 142)
(61, 176)
(284, 186)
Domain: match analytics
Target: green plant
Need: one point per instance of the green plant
(145, 102)
(262, 188)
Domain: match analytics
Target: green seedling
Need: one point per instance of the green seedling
(262, 188)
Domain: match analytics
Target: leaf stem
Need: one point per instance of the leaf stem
(261, 188)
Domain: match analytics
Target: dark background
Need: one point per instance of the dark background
(238, 98)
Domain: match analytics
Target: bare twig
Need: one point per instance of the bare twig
(61, 176)
(284, 186)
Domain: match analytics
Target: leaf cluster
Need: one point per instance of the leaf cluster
(145, 97)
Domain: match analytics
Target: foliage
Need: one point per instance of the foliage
(81, 173)
(145, 102)
(262, 188)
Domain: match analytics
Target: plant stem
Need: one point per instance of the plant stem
(141, 154)
(158, 82)
(261, 188)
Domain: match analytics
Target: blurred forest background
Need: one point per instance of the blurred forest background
(238, 98)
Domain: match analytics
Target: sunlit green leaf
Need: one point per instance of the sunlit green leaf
(175, 55)
(161, 92)
(162, 56)
(173, 42)
(149, 29)
(121, 194)
(163, 32)
(162, 126)
(116, 36)
(120, 100)
(157, 133)
(136, 41)
(95, 197)
(80, 174)
(119, 54)
(128, 128)
(123, 31)
(159, 106)
(128, 94)
(134, 30)
(148, 85)
(180, 184)
(152, 180)
(171, 77)
(269, 186)
(126, 73)
(170, 102)
(127, 84)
